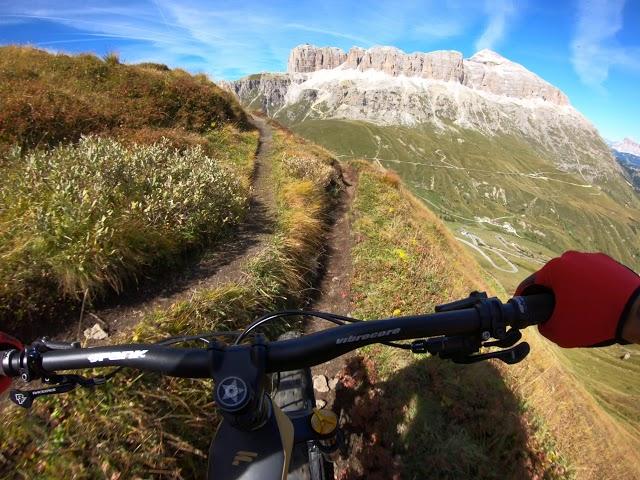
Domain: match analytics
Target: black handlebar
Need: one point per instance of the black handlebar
(306, 351)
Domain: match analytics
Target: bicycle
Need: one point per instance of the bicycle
(261, 425)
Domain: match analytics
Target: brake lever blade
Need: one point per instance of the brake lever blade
(509, 356)
(512, 337)
(25, 398)
(65, 383)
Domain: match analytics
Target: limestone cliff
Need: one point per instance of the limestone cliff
(486, 70)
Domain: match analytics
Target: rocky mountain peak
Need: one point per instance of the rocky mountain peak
(489, 56)
(627, 146)
(309, 58)
(486, 71)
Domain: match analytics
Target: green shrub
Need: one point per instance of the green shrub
(90, 216)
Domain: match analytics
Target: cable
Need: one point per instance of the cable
(331, 317)
(241, 335)
(200, 336)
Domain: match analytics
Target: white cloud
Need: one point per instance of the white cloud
(331, 33)
(594, 47)
(501, 13)
(228, 39)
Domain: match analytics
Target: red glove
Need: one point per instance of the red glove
(7, 342)
(593, 293)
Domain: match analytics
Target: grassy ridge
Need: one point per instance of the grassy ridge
(47, 99)
(420, 416)
(575, 407)
(92, 216)
(170, 171)
(612, 380)
(145, 426)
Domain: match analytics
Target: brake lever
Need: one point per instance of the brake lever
(512, 337)
(510, 356)
(64, 384)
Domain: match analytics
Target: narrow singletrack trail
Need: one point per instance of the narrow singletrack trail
(334, 292)
(221, 263)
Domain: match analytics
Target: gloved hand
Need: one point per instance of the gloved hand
(7, 342)
(593, 295)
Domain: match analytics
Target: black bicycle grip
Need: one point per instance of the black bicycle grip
(9, 363)
(533, 309)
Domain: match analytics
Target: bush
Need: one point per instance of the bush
(90, 216)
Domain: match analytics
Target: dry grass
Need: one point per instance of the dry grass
(595, 444)
(91, 217)
(88, 217)
(48, 99)
(145, 426)
(423, 417)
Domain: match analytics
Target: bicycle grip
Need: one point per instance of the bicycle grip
(6, 363)
(533, 309)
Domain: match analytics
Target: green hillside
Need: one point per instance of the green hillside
(496, 185)
(423, 417)
(503, 198)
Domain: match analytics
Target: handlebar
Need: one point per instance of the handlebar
(306, 351)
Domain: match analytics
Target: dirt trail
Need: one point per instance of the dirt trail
(223, 263)
(334, 290)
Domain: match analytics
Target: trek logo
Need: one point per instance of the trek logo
(244, 456)
(367, 336)
(128, 355)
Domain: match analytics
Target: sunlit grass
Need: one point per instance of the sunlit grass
(92, 216)
(56, 98)
(147, 426)
(435, 419)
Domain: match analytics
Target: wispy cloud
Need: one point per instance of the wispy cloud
(500, 14)
(594, 47)
(227, 38)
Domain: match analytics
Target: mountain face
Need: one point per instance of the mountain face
(631, 165)
(385, 86)
(627, 152)
(486, 70)
(496, 150)
(627, 146)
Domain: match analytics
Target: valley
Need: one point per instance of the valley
(502, 184)
(630, 162)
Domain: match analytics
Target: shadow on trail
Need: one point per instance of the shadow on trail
(435, 420)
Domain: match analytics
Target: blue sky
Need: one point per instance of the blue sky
(588, 48)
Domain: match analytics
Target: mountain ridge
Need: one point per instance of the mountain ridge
(486, 70)
(486, 93)
(627, 145)
(536, 170)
